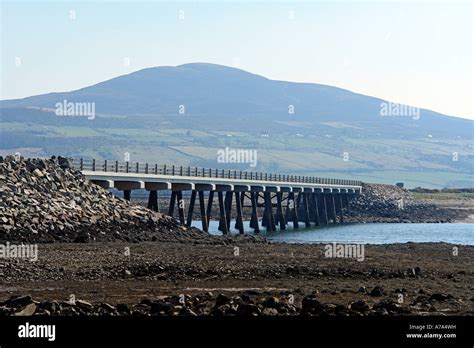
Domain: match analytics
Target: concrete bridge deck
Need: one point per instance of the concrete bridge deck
(319, 200)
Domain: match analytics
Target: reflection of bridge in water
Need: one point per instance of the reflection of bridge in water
(285, 198)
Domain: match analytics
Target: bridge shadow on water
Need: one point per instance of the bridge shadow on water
(286, 235)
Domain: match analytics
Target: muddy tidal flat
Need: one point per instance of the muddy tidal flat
(147, 278)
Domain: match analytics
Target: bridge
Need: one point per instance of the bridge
(284, 198)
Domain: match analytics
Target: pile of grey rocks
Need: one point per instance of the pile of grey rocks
(390, 203)
(381, 197)
(245, 304)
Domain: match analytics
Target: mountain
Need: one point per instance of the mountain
(186, 113)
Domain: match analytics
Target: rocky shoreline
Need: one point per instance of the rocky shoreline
(393, 279)
(247, 303)
(379, 203)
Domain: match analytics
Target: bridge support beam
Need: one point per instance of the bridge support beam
(240, 196)
(179, 196)
(341, 212)
(280, 216)
(182, 187)
(105, 184)
(223, 217)
(202, 208)
(298, 203)
(314, 208)
(157, 186)
(192, 202)
(172, 204)
(129, 185)
(294, 213)
(333, 208)
(306, 209)
(239, 219)
(336, 204)
(265, 213)
(324, 210)
(289, 205)
(254, 218)
(327, 201)
(269, 219)
(127, 194)
(346, 201)
(153, 200)
(210, 198)
(272, 216)
(228, 208)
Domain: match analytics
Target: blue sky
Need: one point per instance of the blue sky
(417, 53)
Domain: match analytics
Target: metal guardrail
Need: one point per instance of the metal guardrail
(145, 168)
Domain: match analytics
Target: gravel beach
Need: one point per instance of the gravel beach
(397, 279)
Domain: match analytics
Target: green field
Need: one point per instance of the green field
(376, 158)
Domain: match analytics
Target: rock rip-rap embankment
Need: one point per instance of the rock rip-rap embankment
(390, 203)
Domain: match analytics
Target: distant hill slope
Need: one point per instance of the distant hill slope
(230, 107)
(214, 90)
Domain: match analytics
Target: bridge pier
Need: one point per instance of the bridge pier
(335, 197)
(298, 202)
(222, 210)
(347, 203)
(272, 216)
(172, 203)
(179, 196)
(192, 202)
(324, 210)
(176, 199)
(153, 200)
(306, 209)
(341, 212)
(228, 208)
(280, 216)
(330, 204)
(321, 209)
(268, 213)
(210, 198)
(265, 215)
(333, 208)
(254, 218)
(239, 199)
(239, 220)
(127, 194)
(294, 211)
(314, 208)
(288, 213)
(202, 208)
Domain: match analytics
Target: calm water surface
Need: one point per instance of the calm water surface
(458, 233)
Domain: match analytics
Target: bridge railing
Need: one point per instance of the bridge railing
(145, 168)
